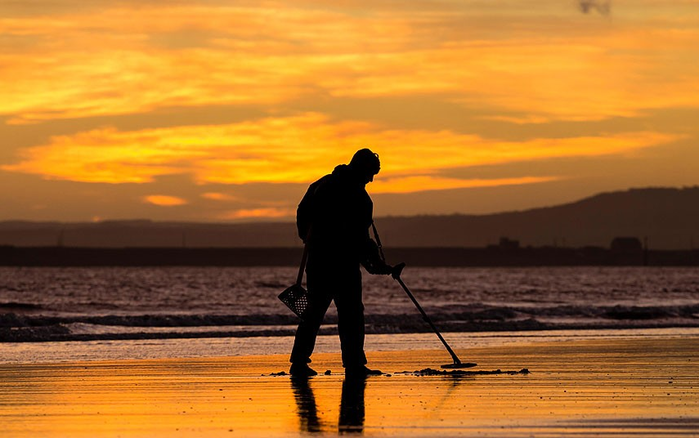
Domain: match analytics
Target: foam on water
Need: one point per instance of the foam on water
(55, 352)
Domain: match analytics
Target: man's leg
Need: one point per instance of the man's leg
(306, 334)
(350, 314)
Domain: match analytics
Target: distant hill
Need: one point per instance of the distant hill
(667, 217)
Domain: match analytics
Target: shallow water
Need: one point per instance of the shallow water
(146, 349)
(41, 304)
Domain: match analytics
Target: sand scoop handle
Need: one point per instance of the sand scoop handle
(304, 258)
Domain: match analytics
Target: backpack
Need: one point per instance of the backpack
(306, 211)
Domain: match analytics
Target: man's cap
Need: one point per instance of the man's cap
(366, 160)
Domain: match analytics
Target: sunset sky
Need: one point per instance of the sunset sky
(218, 110)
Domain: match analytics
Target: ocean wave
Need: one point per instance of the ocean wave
(22, 327)
(19, 306)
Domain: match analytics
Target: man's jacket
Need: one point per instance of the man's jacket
(338, 212)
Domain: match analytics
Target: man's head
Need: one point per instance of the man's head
(366, 163)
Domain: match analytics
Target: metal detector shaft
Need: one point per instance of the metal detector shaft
(427, 318)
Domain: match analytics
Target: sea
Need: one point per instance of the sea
(59, 314)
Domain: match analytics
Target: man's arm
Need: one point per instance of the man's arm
(372, 260)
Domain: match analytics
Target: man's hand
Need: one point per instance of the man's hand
(382, 269)
(386, 269)
(396, 270)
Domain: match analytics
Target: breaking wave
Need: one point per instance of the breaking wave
(460, 318)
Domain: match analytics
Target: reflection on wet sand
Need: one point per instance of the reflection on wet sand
(351, 418)
(352, 405)
(305, 405)
(640, 386)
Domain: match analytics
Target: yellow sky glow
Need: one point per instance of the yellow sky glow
(298, 150)
(423, 183)
(236, 104)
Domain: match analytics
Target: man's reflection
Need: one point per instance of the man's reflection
(351, 405)
(306, 405)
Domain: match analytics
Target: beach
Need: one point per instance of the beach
(203, 352)
(591, 386)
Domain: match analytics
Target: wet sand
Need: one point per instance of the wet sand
(608, 387)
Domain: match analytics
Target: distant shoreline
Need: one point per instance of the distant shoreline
(289, 256)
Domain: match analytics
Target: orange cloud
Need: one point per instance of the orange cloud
(219, 197)
(164, 201)
(299, 149)
(258, 213)
(555, 65)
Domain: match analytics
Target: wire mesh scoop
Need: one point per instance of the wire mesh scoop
(295, 297)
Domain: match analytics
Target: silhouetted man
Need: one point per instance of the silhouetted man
(333, 219)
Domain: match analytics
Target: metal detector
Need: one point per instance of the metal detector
(397, 270)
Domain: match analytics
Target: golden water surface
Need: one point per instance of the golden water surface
(639, 387)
